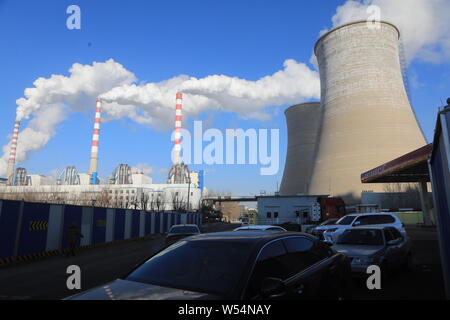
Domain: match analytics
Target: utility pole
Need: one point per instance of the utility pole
(189, 193)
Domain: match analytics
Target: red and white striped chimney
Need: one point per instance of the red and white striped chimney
(12, 154)
(93, 163)
(178, 120)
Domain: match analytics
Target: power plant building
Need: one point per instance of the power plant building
(365, 117)
(125, 188)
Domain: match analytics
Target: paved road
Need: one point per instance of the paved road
(423, 282)
(46, 279)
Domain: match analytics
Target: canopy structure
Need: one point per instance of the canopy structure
(411, 167)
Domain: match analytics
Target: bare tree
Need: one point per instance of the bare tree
(178, 202)
(160, 202)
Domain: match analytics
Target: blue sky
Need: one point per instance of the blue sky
(157, 40)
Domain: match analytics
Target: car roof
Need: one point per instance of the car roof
(255, 236)
(369, 214)
(184, 225)
(261, 227)
(371, 227)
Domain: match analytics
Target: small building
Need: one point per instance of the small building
(298, 209)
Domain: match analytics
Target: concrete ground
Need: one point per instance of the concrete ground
(46, 279)
(423, 282)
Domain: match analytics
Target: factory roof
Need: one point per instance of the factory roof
(411, 167)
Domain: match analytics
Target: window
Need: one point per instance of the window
(202, 266)
(269, 215)
(388, 235)
(300, 254)
(363, 221)
(275, 214)
(395, 233)
(270, 263)
(346, 221)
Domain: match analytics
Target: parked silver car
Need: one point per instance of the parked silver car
(382, 246)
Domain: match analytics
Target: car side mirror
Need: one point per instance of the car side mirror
(272, 287)
(328, 242)
(357, 223)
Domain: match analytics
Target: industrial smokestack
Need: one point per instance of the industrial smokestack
(93, 164)
(178, 120)
(12, 154)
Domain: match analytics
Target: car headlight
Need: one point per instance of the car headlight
(331, 230)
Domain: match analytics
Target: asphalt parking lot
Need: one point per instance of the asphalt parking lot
(423, 282)
(46, 279)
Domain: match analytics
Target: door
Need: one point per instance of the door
(269, 264)
(315, 269)
(402, 249)
(392, 251)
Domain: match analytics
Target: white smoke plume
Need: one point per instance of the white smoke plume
(150, 103)
(145, 168)
(52, 98)
(424, 27)
(425, 35)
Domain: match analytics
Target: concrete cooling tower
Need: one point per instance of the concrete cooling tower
(367, 118)
(303, 124)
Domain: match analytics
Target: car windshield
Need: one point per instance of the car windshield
(184, 229)
(328, 222)
(365, 237)
(345, 221)
(199, 266)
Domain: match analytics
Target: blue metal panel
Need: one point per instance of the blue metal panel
(135, 223)
(157, 222)
(87, 220)
(119, 228)
(148, 223)
(165, 221)
(55, 227)
(33, 233)
(72, 216)
(99, 226)
(8, 227)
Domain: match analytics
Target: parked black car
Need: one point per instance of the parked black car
(249, 265)
(180, 231)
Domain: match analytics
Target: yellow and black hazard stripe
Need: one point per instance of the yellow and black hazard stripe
(42, 255)
(38, 225)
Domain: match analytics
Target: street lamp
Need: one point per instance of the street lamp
(189, 193)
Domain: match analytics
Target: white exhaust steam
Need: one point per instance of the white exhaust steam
(150, 104)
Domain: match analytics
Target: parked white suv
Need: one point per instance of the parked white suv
(332, 232)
